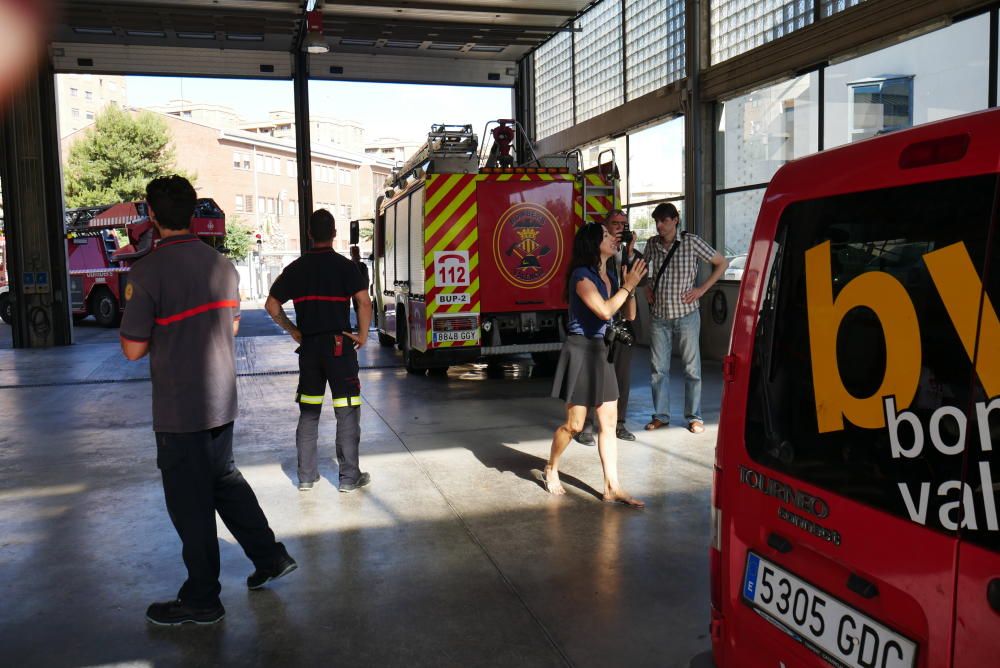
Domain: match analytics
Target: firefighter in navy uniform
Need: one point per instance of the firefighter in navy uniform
(322, 284)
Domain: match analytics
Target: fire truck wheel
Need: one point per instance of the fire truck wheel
(409, 355)
(6, 308)
(104, 306)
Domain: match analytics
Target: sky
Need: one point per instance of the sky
(403, 111)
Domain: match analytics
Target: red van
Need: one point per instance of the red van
(856, 479)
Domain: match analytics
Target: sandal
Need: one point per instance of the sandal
(696, 427)
(552, 487)
(655, 423)
(627, 500)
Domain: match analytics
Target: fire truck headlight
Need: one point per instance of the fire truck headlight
(488, 325)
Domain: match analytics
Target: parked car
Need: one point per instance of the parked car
(734, 271)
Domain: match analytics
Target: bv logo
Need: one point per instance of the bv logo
(960, 288)
(527, 245)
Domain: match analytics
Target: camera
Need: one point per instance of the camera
(627, 235)
(618, 335)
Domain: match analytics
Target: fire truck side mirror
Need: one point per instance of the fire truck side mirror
(355, 232)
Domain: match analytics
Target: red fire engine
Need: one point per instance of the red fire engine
(470, 260)
(98, 266)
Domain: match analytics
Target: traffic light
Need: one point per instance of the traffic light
(258, 239)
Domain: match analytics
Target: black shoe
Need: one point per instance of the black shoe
(306, 486)
(262, 576)
(172, 613)
(363, 480)
(585, 438)
(624, 434)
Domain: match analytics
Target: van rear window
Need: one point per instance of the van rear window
(872, 272)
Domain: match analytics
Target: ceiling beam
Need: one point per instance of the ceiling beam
(470, 7)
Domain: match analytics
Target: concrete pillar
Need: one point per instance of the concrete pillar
(33, 210)
(699, 118)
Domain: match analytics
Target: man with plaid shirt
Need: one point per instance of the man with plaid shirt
(673, 302)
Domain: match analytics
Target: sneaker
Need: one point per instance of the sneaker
(585, 438)
(363, 480)
(624, 434)
(262, 576)
(172, 613)
(306, 486)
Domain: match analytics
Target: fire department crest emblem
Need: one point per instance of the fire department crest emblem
(527, 245)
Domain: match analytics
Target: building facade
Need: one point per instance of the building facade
(81, 97)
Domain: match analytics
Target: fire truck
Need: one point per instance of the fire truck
(99, 265)
(471, 248)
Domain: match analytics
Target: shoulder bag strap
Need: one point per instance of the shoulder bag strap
(666, 261)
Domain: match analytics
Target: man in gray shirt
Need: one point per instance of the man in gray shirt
(183, 309)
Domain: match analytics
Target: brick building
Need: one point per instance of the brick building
(253, 176)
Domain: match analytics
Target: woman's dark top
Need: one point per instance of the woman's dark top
(582, 320)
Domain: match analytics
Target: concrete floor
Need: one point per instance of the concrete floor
(454, 556)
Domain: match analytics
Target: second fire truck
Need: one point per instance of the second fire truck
(98, 265)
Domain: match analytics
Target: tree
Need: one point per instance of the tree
(239, 238)
(118, 155)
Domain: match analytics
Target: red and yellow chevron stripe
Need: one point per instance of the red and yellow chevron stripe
(450, 225)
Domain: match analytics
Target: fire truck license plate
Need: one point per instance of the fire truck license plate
(837, 632)
(460, 335)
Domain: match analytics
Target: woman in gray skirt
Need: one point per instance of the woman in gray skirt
(584, 376)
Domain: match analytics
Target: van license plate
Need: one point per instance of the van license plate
(837, 632)
(459, 335)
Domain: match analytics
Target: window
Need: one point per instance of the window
(90, 115)
(74, 92)
(554, 85)
(290, 168)
(938, 75)
(239, 203)
(880, 105)
(249, 203)
(656, 162)
(237, 160)
(887, 231)
(831, 7)
(760, 131)
(270, 205)
(654, 44)
(246, 161)
(88, 94)
(597, 60)
(345, 177)
(76, 113)
(261, 205)
(738, 26)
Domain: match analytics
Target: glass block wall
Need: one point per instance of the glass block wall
(738, 26)
(830, 7)
(554, 85)
(598, 60)
(654, 44)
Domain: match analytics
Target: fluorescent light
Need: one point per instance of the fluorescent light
(94, 31)
(245, 37)
(196, 35)
(145, 33)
